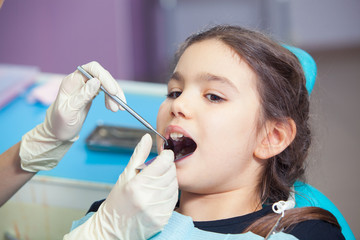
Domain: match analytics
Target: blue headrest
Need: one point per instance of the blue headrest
(308, 196)
(308, 64)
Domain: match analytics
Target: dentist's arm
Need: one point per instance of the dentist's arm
(12, 176)
(45, 145)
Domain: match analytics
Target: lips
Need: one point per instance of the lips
(179, 142)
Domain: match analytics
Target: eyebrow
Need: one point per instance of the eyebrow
(177, 76)
(207, 77)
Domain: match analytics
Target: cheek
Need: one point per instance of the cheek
(233, 135)
(163, 116)
(161, 120)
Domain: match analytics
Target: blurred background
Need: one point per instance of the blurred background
(136, 39)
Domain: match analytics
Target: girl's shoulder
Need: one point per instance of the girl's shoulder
(95, 206)
(316, 229)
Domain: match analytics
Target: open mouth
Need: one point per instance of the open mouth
(181, 146)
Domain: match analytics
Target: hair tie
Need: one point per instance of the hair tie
(281, 206)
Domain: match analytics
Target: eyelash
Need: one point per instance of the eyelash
(173, 95)
(176, 94)
(217, 100)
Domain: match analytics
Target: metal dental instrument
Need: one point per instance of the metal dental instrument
(273, 229)
(124, 105)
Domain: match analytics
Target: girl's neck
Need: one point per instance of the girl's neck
(216, 206)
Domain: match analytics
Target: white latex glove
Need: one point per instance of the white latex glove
(44, 146)
(139, 205)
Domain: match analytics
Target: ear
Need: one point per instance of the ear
(275, 137)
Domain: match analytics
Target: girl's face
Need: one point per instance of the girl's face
(212, 99)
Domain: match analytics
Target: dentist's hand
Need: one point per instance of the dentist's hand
(44, 146)
(139, 205)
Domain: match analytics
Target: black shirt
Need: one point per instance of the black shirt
(309, 230)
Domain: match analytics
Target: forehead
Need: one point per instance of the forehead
(211, 49)
(216, 58)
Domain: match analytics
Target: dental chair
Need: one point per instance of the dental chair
(305, 194)
(308, 196)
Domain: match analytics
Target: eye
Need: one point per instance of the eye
(173, 94)
(214, 98)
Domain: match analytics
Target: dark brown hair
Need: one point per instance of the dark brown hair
(283, 96)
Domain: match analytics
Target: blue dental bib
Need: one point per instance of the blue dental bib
(181, 227)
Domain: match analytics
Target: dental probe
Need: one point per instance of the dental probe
(124, 105)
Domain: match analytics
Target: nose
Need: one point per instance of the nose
(180, 106)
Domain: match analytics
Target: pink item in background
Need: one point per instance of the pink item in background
(47, 92)
(14, 80)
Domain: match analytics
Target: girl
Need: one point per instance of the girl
(237, 114)
(241, 99)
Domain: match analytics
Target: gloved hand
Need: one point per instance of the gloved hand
(139, 205)
(44, 146)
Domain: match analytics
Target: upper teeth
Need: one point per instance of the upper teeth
(176, 136)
